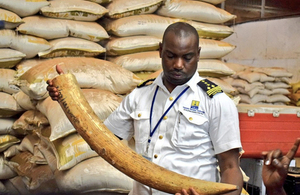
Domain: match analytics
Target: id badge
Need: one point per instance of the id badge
(145, 154)
(146, 157)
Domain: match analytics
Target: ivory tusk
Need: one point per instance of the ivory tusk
(110, 148)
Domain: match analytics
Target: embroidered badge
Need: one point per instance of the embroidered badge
(195, 104)
(194, 108)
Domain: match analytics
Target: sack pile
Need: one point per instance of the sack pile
(255, 85)
(136, 28)
(40, 151)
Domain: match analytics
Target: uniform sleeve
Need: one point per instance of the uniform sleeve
(224, 124)
(119, 122)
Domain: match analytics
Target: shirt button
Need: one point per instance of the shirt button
(139, 115)
(171, 98)
(165, 117)
(190, 118)
(155, 156)
(160, 137)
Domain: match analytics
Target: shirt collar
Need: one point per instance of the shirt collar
(192, 83)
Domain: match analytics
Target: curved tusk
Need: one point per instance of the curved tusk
(110, 148)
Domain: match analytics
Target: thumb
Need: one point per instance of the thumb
(59, 70)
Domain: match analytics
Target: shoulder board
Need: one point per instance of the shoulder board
(209, 87)
(145, 83)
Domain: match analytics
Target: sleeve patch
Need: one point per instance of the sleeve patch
(209, 87)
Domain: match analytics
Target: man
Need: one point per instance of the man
(275, 169)
(178, 122)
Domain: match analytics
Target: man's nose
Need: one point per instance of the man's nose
(179, 63)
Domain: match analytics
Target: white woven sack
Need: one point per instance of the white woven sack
(277, 98)
(102, 102)
(6, 141)
(276, 85)
(211, 31)
(213, 68)
(40, 25)
(155, 25)
(8, 105)
(245, 85)
(237, 67)
(89, 72)
(6, 77)
(5, 171)
(74, 10)
(211, 49)
(273, 71)
(16, 185)
(11, 20)
(257, 98)
(147, 24)
(24, 7)
(26, 64)
(9, 57)
(136, 62)
(71, 150)
(70, 46)
(132, 44)
(6, 125)
(96, 175)
(27, 44)
(121, 8)
(254, 76)
(30, 120)
(24, 100)
(194, 10)
(37, 179)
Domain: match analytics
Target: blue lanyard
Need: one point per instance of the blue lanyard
(164, 114)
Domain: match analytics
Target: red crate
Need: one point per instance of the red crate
(265, 128)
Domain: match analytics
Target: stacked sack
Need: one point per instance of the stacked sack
(69, 27)
(136, 28)
(268, 85)
(40, 150)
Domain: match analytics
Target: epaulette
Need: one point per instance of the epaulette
(209, 87)
(145, 83)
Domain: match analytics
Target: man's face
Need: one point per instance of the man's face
(180, 55)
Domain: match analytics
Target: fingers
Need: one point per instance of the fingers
(272, 157)
(193, 191)
(183, 192)
(291, 154)
(53, 92)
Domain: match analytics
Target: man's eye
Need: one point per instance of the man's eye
(188, 58)
(170, 56)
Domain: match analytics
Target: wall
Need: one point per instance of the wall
(270, 43)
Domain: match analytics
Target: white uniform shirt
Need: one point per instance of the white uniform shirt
(195, 129)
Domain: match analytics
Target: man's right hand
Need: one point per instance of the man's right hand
(275, 168)
(53, 92)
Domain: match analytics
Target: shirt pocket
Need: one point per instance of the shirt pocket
(191, 129)
(141, 129)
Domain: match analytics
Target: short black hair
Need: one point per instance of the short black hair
(181, 29)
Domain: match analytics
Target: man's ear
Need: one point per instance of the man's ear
(160, 49)
(199, 53)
